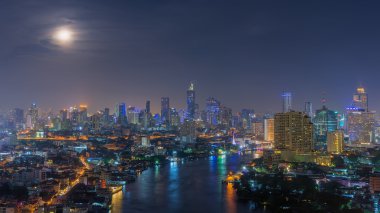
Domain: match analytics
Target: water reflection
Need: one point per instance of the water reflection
(192, 186)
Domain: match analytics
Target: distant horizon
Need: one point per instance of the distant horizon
(155, 105)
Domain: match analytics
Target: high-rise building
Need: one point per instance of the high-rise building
(293, 131)
(335, 142)
(175, 119)
(32, 117)
(133, 115)
(165, 110)
(247, 116)
(258, 129)
(308, 110)
(190, 100)
(147, 106)
(360, 125)
(286, 102)
(325, 121)
(360, 99)
(82, 113)
(225, 116)
(269, 129)
(212, 111)
(121, 113)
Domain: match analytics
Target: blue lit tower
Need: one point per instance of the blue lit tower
(286, 102)
(325, 121)
(190, 100)
(121, 113)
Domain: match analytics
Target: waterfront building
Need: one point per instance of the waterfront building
(293, 131)
(335, 142)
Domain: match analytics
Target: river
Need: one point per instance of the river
(191, 186)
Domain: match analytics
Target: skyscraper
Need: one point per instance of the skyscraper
(32, 117)
(360, 125)
(293, 131)
(147, 106)
(335, 142)
(165, 110)
(212, 111)
(190, 100)
(325, 121)
(286, 102)
(360, 99)
(121, 113)
(309, 109)
(269, 129)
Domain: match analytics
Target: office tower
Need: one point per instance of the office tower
(258, 129)
(147, 106)
(225, 116)
(309, 109)
(269, 129)
(165, 111)
(82, 113)
(190, 100)
(63, 114)
(360, 125)
(133, 115)
(106, 115)
(325, 121)
(32, 117)
(18, 115)
(175, 119)
(360, 99)
(212, 111)
(335, 142)
(121, 113)
(74, 115)
(286, 102)
(247, 116)
(293, 131)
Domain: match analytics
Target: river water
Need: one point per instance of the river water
(191, 186)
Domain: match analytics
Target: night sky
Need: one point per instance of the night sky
(244, 53)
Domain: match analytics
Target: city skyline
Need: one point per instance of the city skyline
(244, 54)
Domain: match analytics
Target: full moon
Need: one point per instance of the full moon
(63, 35)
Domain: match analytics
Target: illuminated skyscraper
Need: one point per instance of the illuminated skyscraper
(293, 131)
(190, 100)
(165, 110)
(121, 113)
(32, 117)
(269, 129)
(335, 141)
(212, 111)
(286, 102)
(133, 115)
(360, 99)
(325, 121)
(82, 113)
(360, 125)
